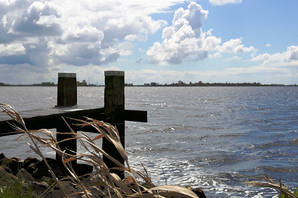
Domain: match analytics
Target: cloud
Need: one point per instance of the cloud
(38, 19)
(12, 49)
(291, 54)
(235, 46)
(223, 2)
(184, 40)
(49, 32)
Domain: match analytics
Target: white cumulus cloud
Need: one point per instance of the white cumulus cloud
(184, 40)
(291, 54)
(235, 46)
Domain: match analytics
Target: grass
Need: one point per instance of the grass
(284, 192)
(283, 195)
(16, 189)
(101, 183)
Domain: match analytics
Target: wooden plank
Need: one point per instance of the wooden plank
(135, 116)
(49, 121)
(52, 120)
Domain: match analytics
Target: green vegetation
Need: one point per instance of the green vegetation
(271, 183)
(16, 189)
(283, 195)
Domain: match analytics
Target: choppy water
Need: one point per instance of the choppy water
(215, 138)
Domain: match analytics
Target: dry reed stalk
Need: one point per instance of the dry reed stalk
(272, 184)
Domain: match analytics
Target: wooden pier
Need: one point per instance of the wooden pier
(113, 112)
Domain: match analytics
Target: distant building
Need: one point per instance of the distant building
(153, 84)
(83, 83)
(180, 83)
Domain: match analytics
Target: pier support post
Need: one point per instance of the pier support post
(114, 108)
(67, 90)
(66, 97)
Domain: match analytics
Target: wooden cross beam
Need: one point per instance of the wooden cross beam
(52, 118)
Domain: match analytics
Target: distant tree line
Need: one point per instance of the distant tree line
(155, 84)
(200, 83)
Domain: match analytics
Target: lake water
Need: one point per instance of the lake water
(216, 138)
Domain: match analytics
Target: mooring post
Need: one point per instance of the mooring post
(67, 90)
(114, 108)
(66, 97)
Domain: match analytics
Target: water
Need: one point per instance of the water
(216, 138)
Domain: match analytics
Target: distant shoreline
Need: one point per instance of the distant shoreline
(155, 84)
(210, 85)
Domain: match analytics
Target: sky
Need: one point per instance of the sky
(152, 41)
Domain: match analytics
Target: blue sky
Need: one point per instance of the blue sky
(160, 41)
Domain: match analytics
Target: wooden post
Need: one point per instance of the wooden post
(67, 90)
(66, 96)
(114, 108)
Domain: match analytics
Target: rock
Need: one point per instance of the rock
(2, 156)
(30, 164)
(83, 169)
(38, 169)
(41, 169)
(199, 192)
(13, 165)
(24, 175)
(39, 187)
(6, 178)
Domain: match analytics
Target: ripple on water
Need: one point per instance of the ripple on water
(165, 171)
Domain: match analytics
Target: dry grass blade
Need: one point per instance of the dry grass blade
(272, 184)
(168, 191)
(10, 111)
(173, 191)
(108, 131)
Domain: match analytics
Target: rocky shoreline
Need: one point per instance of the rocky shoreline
(38, 169)
(34, 172)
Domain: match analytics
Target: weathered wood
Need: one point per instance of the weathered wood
(66, 90)
(135, 116)
(53, 120)
(114, 106)
(66, 96)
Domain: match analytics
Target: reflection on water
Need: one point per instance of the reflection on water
(216, 138)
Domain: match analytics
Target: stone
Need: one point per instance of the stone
(13, 165)
(30, 164)
(24, 175)
(6, 178)
(2, 156)
(83, 169)
(41, 169)
(199, 192)
(39, 187)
